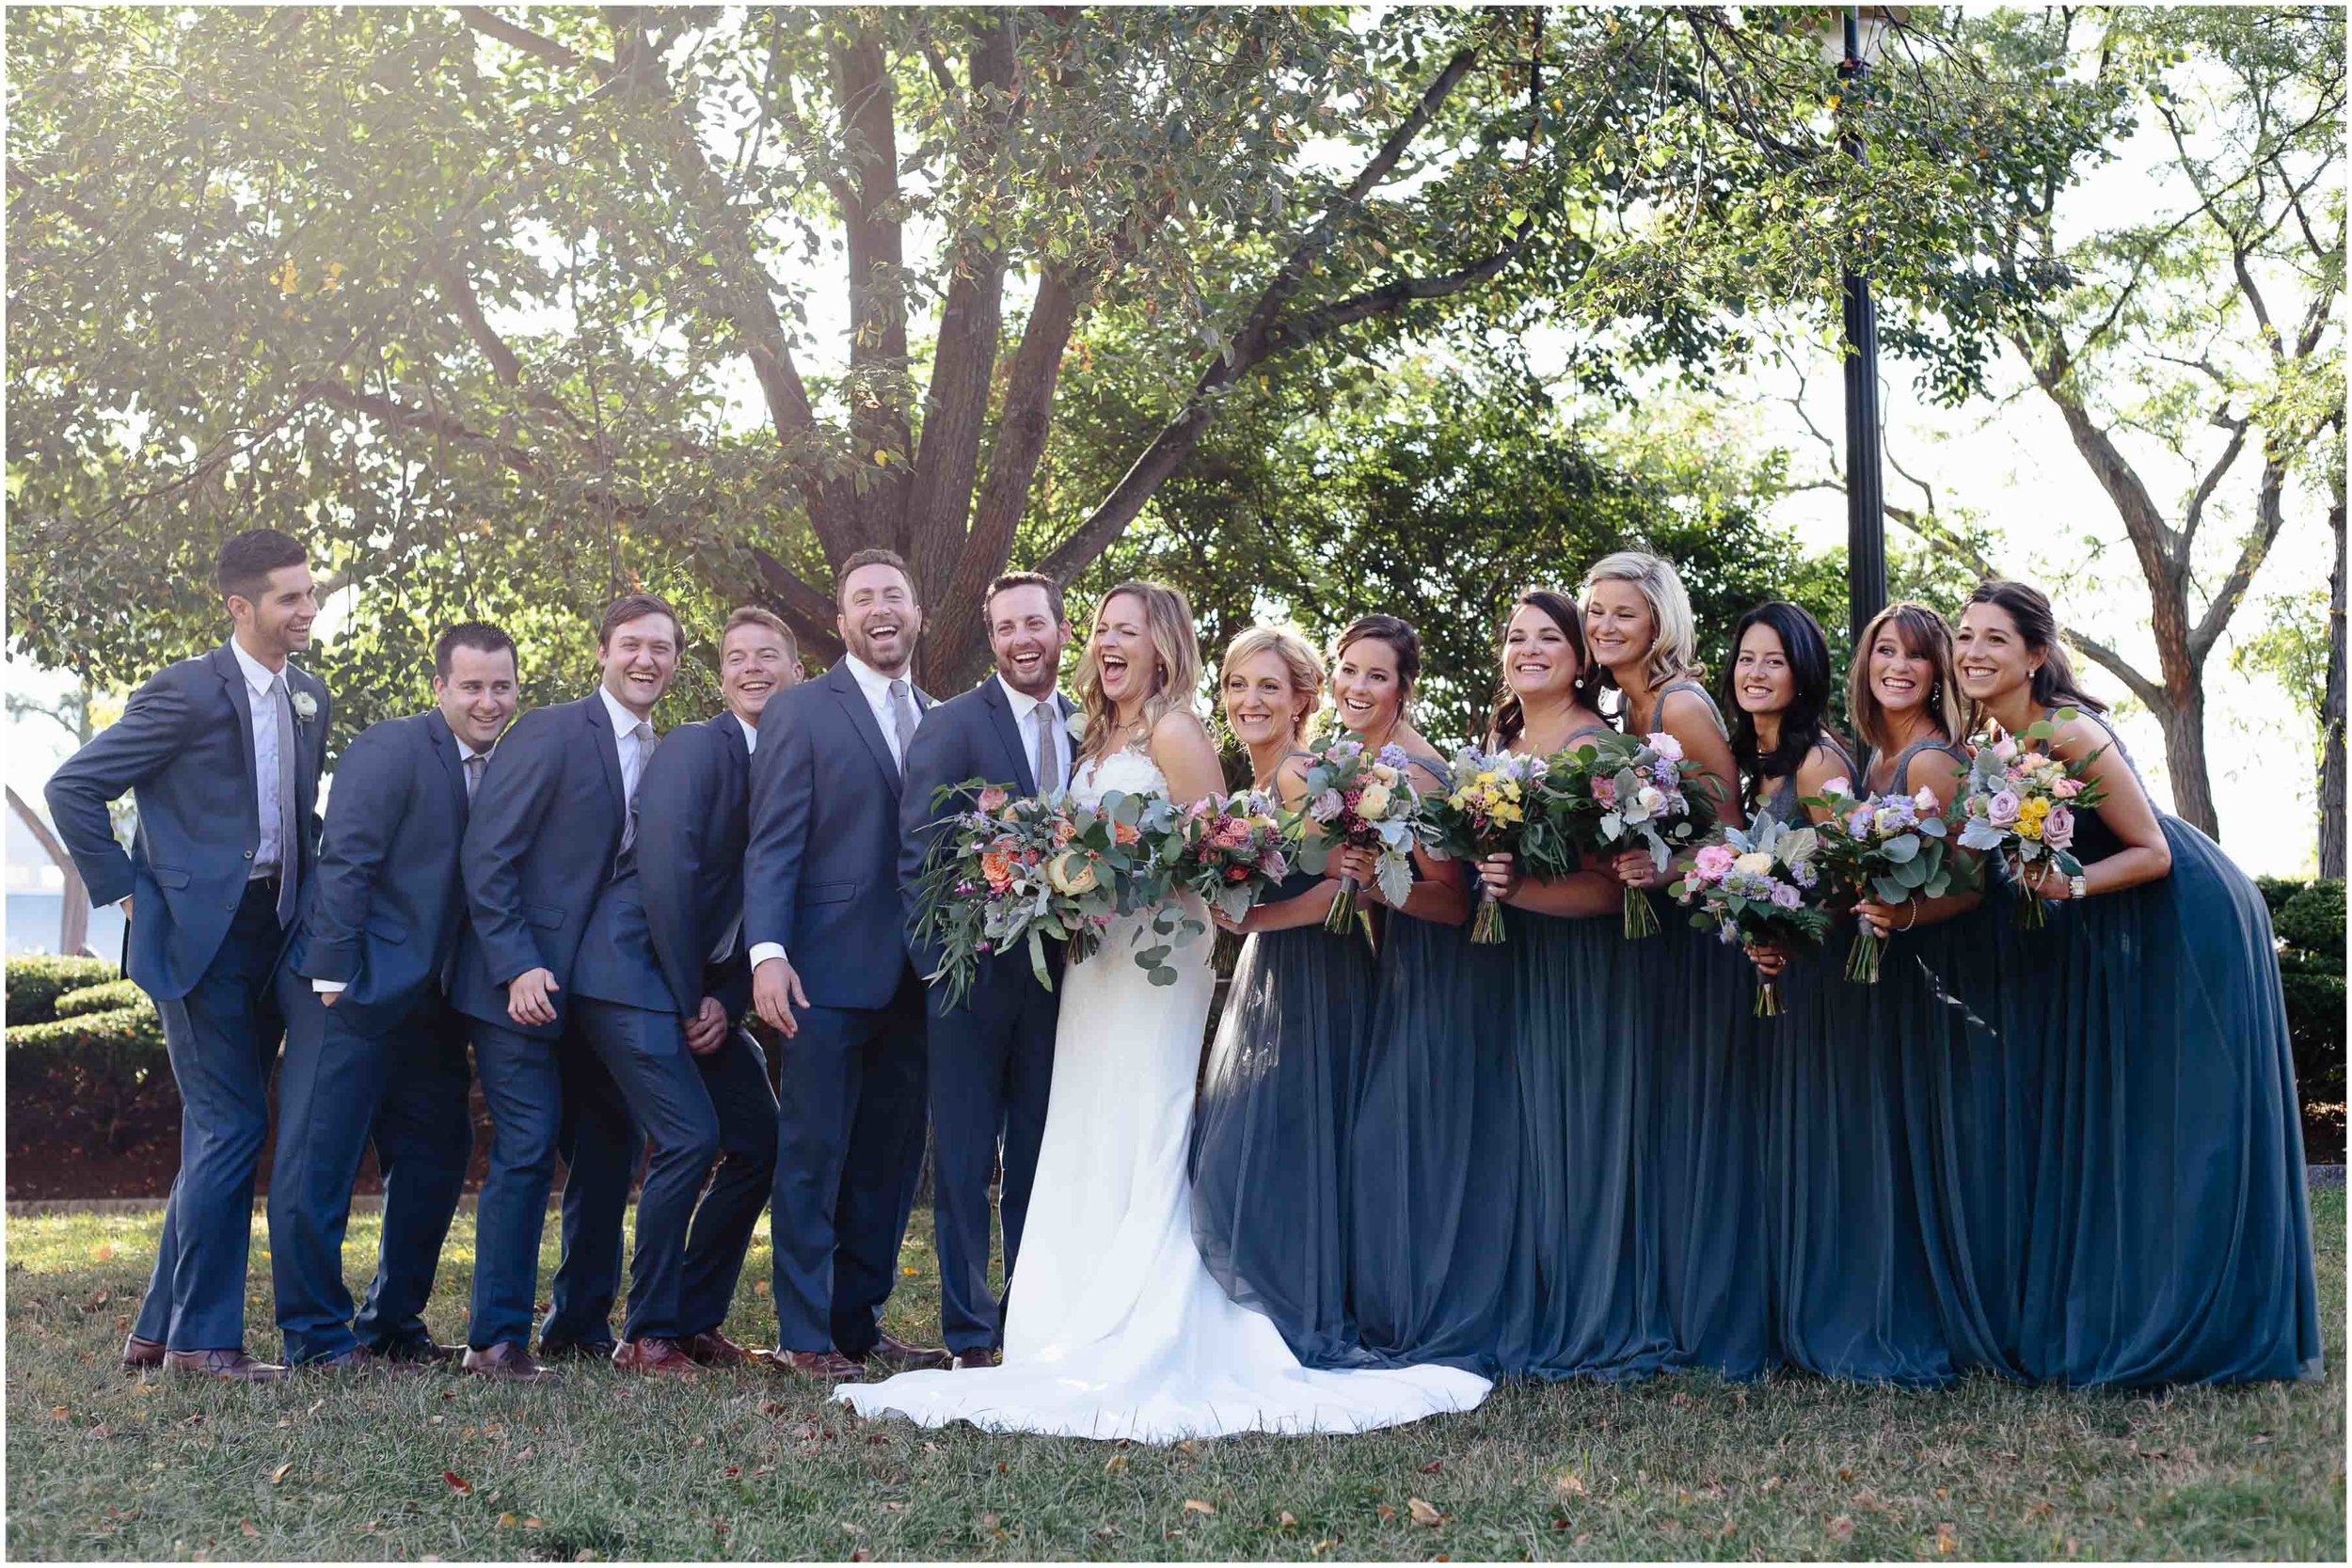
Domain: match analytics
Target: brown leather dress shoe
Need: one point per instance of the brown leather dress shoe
(714, 1349)
(139, 1356)
(965, 1361)
(897, 1355)
(228, 1366)
(508, 1361)
(656, 1356)
(826, 1365)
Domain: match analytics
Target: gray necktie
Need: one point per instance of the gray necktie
(903, 717)
(474, 765)
(1048, 755)
(646, 742)
(289, 846)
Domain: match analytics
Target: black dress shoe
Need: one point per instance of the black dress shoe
(357, 1361)
(578, 1350)
(896, 1356)
(972, 1361)
(509, 1363)
(418, 1352)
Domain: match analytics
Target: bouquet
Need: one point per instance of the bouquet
(1014, 872)
(1887, 845)
(1227, 849)
(1620, 792)
(1362, 800)
(2021, 804)
(1495, 807)
(1759, 884)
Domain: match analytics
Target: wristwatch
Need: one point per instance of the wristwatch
(2077, 887)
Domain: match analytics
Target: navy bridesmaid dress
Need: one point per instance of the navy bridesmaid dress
(1854, 1293)
(1441, 1267)
(1585, 1084)
(2170, 1235)
(1271, 1131)
(1703, 1152)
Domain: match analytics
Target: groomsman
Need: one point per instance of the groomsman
(992, 1059)
(659, 991)
(374, 1049)
(223, 754)
(546, 834)
(831, 973)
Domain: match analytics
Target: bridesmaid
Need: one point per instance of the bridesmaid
(1438, 1271)
(1270, 1132)
(1946, 1104)
(2169, 1236)
(1583, 1080)
(1703, 1151)
(1850, 1286)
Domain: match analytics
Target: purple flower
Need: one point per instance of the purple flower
(1392, 755)
(2002, 810)
(1329, 805)
(1785, 897)
(2058, 828)
(1858, 823)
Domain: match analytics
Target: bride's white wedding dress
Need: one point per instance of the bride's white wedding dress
(1113, 1327)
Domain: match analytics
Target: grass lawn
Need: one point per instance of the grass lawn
(754, 1464)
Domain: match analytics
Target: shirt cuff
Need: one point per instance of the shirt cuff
(763, 951)
(329, 988)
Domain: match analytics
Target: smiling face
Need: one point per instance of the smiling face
(1366, 685)
(1993, 659)
(1261, 707)
(880, 620)
(1125, 664)
(1538, 660)
(478, 694)
(1027, 638)
(1761, 679)
(1619, 626)
(753, 665)
(276, 621)
(1901, 677)
(639, 660)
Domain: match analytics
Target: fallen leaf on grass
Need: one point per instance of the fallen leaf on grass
(1946, 1542)
(61, 1413)
(105, 1252)
(1842, 1527)
(1385, 1510)
(1424, 1513)
(1433, 1467)
(96, 1301)
(246, 1526)
(1194, 1505)
(281, 1472)
(507, 1521)
(1321, 1547)
(457, 1482)
(1571, 1485)
(1286, 1519)
(1115, 1463)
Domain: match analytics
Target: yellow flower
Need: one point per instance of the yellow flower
(1072, 872)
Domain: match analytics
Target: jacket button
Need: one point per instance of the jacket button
(248, 854)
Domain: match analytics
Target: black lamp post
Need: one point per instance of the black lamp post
(1865, 492)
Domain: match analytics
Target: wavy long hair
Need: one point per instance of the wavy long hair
(1176, 663)
(2054, 683)
(1674, 650)
(1924, 634)
(1804, 723)
(1298, 657)
(1510, 716)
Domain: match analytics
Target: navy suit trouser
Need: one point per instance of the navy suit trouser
(222, 1037)
(349, 1080)
(600, 1141)
(849, 1119)
(991, 1063)
(697, 1112)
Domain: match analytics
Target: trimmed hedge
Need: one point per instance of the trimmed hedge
(36, 983)
(2308, 919)
(110, 997)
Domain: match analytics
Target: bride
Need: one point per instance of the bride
(1113, 1327)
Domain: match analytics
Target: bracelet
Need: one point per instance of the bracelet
(1913, 905)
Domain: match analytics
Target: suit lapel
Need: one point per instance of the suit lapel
(308, 739)
(445, 751)
(608, 753)
(240, 703)
(845, 690)
(1000, 712)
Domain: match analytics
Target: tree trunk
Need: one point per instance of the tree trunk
(2184, 718)
(2331, 736)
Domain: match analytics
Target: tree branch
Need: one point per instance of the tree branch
(810, 611)
(489, 24)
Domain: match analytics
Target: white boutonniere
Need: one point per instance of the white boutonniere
(306, 707)
(1075, 724)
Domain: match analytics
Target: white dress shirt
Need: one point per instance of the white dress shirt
(875, 687)
(632, 760)
(750, 732)
(465, 754)
(1024, 720)
(268, 854)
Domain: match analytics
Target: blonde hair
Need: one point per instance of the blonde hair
(1298, 657)
(1674, 649)
(1176, 655)
(1923, 634)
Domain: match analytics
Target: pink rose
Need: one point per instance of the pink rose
(1713, 860)
(2066, 789)
(1665, 746)
(992, 800)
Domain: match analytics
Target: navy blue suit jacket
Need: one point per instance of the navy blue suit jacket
(651, 938)
(970, 737)
(820, 872)
(384, 910)
(540, 845)
(184, 747)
